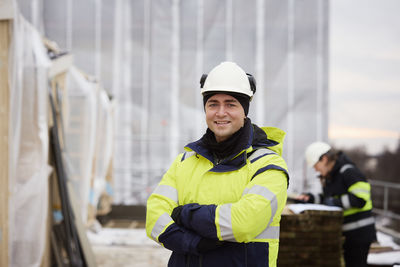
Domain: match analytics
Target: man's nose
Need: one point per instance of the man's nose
(221, 110)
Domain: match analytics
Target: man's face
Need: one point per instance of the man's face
(224, 116)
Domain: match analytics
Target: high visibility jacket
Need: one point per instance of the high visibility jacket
(348, 188)
(240, 201)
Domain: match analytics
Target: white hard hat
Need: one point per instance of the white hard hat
(228, 77)
(314, 152)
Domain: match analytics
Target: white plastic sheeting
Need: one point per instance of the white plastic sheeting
(80, 134)
(89, 138)
(150, 55)
(29, 145)
(88, 142)
(104, 148)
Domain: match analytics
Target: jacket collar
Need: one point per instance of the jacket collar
(200, 149)
(256, 138)
(341, 160)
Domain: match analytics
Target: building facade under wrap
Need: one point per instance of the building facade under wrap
(150, 55)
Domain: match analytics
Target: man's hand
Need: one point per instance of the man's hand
(197, 218)
(176, 215)
(303, 198)
(182, 215)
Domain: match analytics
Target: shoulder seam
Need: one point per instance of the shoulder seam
(187, 154)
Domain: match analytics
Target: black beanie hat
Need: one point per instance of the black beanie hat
(244, 100)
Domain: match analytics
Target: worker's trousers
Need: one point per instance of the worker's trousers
(356, 253)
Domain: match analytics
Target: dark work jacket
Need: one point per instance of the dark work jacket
(343, 187)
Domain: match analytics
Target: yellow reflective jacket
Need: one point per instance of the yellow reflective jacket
(238, 201)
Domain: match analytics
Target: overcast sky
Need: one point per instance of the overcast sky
(365, 73)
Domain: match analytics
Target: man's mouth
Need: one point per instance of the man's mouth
(221, 122)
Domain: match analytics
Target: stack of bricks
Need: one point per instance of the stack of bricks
(311, 238)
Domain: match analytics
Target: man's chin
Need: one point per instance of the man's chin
(221, 136)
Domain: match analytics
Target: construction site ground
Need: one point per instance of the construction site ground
(124, 243)
(131, 255)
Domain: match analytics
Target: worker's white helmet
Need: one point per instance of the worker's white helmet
(228, 77)
(314, 152)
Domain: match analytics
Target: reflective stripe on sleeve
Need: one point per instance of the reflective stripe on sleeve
(345, 201)
(271, 232)
(358, 224)
(167, 191)
(267, 194)
(162, 221)
(225, 222)
(345, 167)
(357, 191)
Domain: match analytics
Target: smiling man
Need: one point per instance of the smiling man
(220, 202)
(224, 116)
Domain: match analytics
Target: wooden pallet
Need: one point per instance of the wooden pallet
(312, 238)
